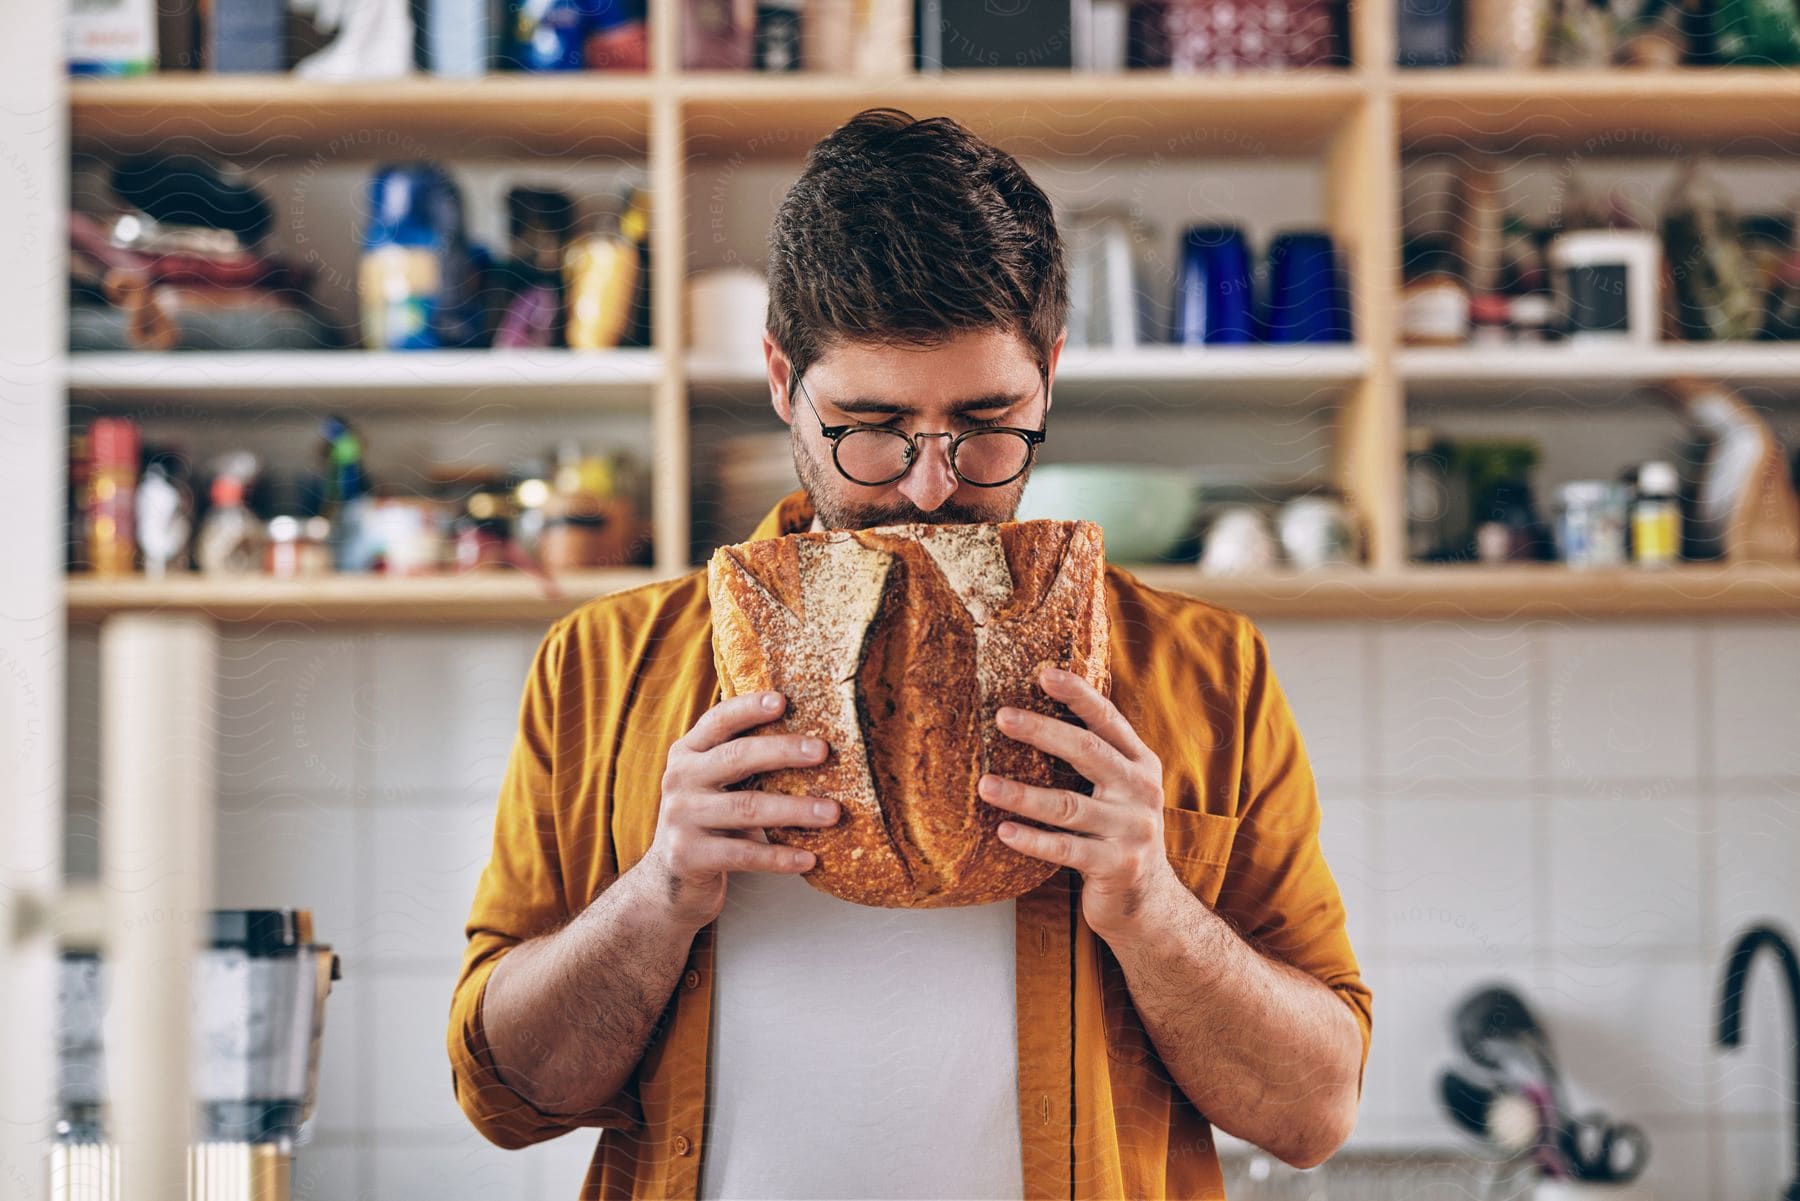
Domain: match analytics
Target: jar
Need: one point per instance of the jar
(298, 548)
(1434, 311)
(1590, 524)
(1656, 517)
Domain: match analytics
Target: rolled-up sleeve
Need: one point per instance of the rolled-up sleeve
(520, 895)
(1279, 892)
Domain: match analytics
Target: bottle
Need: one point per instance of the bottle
(231, 537)
(111, 501)
(1656, 517)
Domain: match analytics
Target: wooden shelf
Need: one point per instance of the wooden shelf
(1509, 592)
(1221, 375)
(1356, 125)
(1445, 593)
(1035, 113)
(1648, 114)
(438, 380)
(746, 114)
(1591, 374)
(257, 117)
(479, 597)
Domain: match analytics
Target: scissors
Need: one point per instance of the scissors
(1600, 1149)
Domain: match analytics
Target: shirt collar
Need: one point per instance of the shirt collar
(792, 515)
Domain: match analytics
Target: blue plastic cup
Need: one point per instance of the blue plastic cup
(1214, 303)
(1307, 298)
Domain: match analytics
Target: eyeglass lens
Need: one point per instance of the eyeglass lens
(980, 457)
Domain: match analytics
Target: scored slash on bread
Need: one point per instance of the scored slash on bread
(896, 645)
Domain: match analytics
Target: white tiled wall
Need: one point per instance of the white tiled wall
(1588, 811)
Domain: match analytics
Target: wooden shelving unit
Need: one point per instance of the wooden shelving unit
(1356, 124)
(1464, 592)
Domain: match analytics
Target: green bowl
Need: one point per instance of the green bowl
(1145, 512)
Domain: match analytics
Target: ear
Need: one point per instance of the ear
(1050, 368)
(779, 370)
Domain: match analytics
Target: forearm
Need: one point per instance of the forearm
(569, 1014)
(1267, 1052)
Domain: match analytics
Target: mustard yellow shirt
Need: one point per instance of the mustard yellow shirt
(619, 680)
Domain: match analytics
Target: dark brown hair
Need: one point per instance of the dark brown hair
(905, 231)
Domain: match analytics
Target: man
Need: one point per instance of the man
(643, 960)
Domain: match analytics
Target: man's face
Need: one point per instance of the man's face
(977, 378)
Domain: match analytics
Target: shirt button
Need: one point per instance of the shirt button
(691, 981)
(682, 1146)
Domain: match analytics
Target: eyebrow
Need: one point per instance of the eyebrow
(873, 404)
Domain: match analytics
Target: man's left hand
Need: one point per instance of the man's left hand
(1113, 837)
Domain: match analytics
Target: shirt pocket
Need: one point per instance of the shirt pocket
(1199, 845)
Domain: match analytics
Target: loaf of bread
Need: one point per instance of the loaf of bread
(896, 645)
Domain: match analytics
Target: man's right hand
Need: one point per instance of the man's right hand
(703, 831)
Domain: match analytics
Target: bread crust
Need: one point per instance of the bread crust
(897, 644)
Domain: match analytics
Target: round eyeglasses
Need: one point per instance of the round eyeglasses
(985, 457)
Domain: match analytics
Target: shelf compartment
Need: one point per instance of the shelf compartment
(1601, 112)
(357, 381)
(475, 598)
(1034, 113)
(1513, 592)
(1509, 592)
(1266, 376)
(1591, 374)
(581, 115)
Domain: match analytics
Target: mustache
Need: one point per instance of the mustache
(907, 514)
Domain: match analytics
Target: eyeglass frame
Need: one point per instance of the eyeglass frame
(835, 433)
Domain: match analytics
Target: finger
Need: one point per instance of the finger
(1085, 751)
(749, 810)
(1085, 855)
(732, 761)
(727, 719)
(1054, 806)
(724, 853)
(1096, 712)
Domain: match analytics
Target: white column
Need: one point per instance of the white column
(33, 418)
(158, 724)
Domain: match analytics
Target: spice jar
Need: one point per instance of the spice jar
(1590, 526)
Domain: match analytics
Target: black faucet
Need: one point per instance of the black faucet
(1731, 1011)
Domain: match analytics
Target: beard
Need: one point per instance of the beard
(821, 482)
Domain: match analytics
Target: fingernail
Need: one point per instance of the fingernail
(1007, 829)
(989, 785)
(1007, 717)
(812, 748)
(771, 701)
(824, 810)
(1056, 675)
(801, 859)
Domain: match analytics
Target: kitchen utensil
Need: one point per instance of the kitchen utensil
(259, 993)
(1213, 298)
(1316, 532)
(1106, 299)
(1144, 511)
(1609, 284)
(1239, 542)
(1497, 1031)
(1746, 510)
(727, 312)
(1307, 298)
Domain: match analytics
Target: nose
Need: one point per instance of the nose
(931, 481)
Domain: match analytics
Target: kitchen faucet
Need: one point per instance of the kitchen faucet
(1731, 1011)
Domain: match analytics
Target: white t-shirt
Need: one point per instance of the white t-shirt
(860, 1052)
